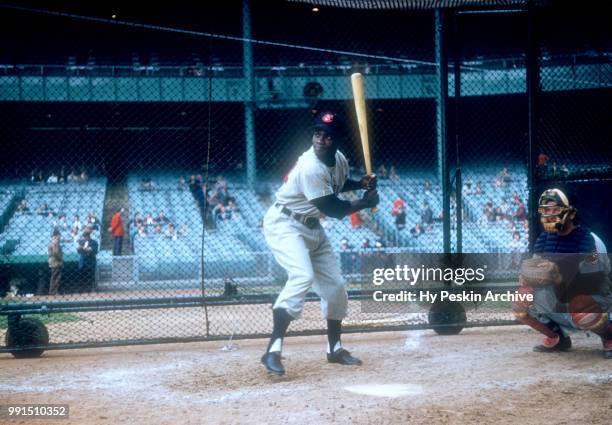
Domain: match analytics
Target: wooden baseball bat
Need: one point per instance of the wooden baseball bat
(362, 120)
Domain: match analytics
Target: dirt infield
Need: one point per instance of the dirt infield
(485, 375)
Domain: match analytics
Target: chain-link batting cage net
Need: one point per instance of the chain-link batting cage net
(140, 154)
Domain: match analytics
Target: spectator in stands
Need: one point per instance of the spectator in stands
(365, 244)
(220, 196)
(218, 213)
(147, 184)
(397, 205)
(92, 221)
(149, 220)
(183, 231)
(87, 249)
(382, 172)
(231, 210)
(478, 189)
(347, 257)
(516, 247)
(53, 179)
(76, 224)
(83, 177)
(526, 225)
(564, 171)
(62, 175)
(521, 211)
(56, 261)
(417, 230)
(74, 234)
(44, 210)
(400, 218)
(133, 225)
(60, 223)
(136, 220)
(162, 219)
(72, 177)
(426, 214)
(515, 244)
(427, 186)
(157, 229)
(503, 211)
(117, 230)
(393, 176)
(543, 161)
(467, 188)
(181, 183)
(505, 176)
(220, 184)
(142, 231)
(488, 211)
(171, 232)
(23, 208)
(356, 221)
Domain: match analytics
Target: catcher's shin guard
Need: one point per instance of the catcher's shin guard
(588, 315)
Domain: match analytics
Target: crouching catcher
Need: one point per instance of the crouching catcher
(568, 277)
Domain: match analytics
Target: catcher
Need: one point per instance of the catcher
(568, 277)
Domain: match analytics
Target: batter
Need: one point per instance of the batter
(300, 245)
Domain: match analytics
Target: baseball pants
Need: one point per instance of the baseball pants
(308, 258)
(545, 308)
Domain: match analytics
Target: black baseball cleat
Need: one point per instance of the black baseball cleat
(272, 362)
(341, 356)
(564, 344)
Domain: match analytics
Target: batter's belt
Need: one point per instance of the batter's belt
(310, 222)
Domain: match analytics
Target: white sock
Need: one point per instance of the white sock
(336, 347)
(276, 346)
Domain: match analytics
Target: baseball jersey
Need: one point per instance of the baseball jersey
(310, 179)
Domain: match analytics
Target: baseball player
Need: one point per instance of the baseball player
(568, 277)
(299, 243)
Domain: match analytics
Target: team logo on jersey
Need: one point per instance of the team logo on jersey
(327, 118)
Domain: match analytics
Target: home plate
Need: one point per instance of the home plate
(386, 390)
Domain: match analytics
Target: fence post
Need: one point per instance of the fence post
(441, 99)
(533, 86)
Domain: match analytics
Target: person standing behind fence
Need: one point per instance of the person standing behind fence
(87, 249)
(116, 228)
(56, 261)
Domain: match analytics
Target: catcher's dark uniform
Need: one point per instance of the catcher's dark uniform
(582, 299)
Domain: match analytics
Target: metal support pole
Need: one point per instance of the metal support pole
(441, 122)
(249, 105)
(533, 88)
(458, 176)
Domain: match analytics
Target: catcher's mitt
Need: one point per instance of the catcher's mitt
(537, 272)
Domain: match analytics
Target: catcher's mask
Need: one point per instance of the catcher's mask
(554, 208)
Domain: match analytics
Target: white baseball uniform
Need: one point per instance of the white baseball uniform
(306, 253)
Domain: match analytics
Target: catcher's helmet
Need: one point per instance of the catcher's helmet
(554, 208)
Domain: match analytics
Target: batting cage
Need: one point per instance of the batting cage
(139, 159)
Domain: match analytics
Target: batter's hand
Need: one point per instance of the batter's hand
(368, 182)
(370, 198)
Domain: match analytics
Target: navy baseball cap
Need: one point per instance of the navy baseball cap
(330, 122)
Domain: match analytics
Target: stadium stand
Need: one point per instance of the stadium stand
(32, 230)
